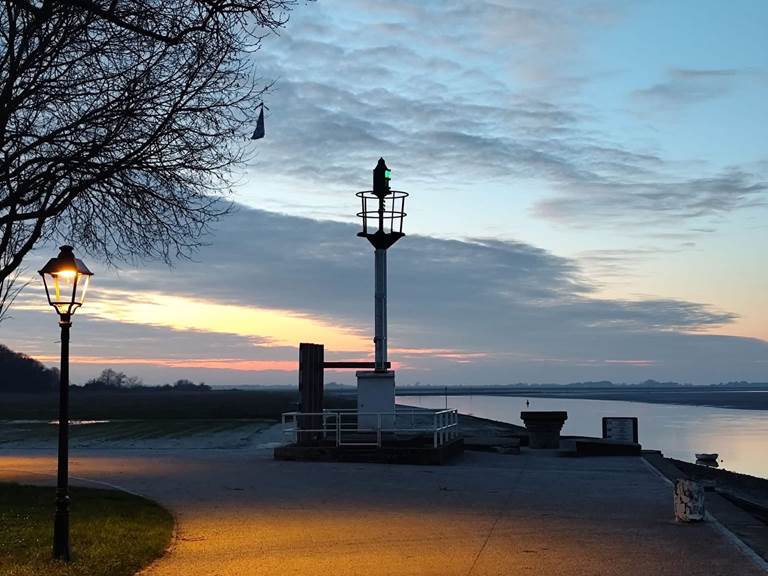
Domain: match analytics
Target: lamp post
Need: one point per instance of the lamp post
(382, 218)
(66, 281)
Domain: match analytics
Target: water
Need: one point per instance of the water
(56, 422)
(739, 436)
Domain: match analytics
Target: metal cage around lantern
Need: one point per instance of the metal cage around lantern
(382, 218)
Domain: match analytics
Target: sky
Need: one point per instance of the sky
(588, 198)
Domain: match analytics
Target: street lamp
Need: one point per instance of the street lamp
(382, 214)
(66, 281)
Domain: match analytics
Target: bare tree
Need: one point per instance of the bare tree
(121, 120)
(10, 287)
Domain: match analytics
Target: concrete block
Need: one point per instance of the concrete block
(544, 428)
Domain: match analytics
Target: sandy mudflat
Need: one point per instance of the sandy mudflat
(136, 434)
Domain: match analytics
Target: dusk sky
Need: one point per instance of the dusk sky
(589, 186)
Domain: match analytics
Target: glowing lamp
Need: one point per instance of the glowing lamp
(66, 281)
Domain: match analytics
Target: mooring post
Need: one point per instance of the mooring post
(311, 358)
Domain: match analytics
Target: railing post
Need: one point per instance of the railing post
(338, 429)
(442, 428)
(455, 424)
(378, 431)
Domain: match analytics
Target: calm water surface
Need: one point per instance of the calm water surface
(739, 436)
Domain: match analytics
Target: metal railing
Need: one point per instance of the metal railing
(348, 427)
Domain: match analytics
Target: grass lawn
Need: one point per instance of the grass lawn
(111, 533)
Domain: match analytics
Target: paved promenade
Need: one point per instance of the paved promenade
(240, 513)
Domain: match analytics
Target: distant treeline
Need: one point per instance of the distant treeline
(20, 373)
(644, 384)
(118, 381)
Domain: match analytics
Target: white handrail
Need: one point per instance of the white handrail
(441, 424)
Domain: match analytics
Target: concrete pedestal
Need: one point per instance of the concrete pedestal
(544, 428)
(376, 393)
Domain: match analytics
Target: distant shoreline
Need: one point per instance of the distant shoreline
(259, 402)
(739, 398)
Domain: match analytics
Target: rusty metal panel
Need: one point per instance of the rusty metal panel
(310, 391)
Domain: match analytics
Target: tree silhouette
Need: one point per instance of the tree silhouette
(120, 121)
(20, 373)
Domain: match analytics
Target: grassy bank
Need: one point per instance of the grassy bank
(158, 404)
(112, 533)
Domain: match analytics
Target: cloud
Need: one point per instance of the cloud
(469, 103)
(684, 86)
(442, 145)
(474, 97)
(621, 264)
(536, 40)
(645, 202)
(510, 310)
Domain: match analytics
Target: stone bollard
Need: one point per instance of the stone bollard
(689, 501)
(544, 428)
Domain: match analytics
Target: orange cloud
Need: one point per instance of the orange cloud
(275, 327)
(444, 353)
(212, 363)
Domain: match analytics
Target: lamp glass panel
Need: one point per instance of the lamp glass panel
(68, 290)
(85, 280)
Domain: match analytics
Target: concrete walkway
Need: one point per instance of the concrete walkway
(242, 513)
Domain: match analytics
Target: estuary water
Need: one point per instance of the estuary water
(740, 437)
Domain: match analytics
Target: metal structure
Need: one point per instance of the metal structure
(312, 366)
(382, 215)
(66, 281)
(343, 426)
(376, 423)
